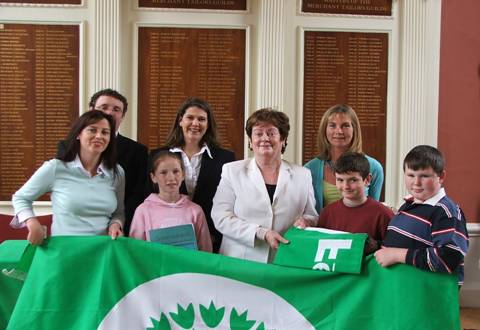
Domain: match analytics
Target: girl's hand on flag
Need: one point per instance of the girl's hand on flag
(36, 232)
(274, 239)
(388, 256)
(115, 230)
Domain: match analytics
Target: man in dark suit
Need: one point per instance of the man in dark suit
(131, 155)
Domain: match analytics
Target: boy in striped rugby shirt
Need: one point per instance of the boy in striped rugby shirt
(429, 231)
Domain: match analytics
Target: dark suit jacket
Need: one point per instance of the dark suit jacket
(133, 157)
(208, 180)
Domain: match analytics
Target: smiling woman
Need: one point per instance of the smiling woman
(258, 199)
(86, 184)
(339, 131)
(94, 140)
(194, 137)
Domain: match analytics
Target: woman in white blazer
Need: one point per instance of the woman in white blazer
(258, 199)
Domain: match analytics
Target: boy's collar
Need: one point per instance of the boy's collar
(431, 201)
(351, 203)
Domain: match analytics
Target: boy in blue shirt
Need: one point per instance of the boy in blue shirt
(429, 231)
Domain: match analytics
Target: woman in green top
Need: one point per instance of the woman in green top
(339, 131)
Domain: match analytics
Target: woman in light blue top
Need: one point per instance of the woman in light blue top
(339, 131)
(87, 186)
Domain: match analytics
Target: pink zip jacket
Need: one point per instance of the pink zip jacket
(155, 213)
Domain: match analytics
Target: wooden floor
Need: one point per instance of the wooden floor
(470, 318)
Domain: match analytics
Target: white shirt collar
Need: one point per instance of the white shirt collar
(432, 200)
(204, 148)
(77, 163)
(192, 167)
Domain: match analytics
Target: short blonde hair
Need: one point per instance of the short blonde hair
(322, 141)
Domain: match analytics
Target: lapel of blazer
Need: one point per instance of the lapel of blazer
(284, 177)
(183, 186)
(119, 141)
(256, 178)
(122, 152)
(203, 175)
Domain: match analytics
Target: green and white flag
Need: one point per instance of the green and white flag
(322, 249)
(11, 253)
(99, 283)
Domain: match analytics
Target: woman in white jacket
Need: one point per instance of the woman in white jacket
(258, 199)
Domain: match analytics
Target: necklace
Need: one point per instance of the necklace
(330, 164)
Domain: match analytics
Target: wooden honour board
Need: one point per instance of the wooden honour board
(195, 4)
(351, 68)
(39, 97)
(45, 2)
(175, 63)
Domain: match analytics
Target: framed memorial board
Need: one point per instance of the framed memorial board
(351, 68)
(348, 7)
(195, 4)
(39, 96)
(44, 2)
(175, 63)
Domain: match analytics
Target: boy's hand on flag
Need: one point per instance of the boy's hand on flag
(388, 256)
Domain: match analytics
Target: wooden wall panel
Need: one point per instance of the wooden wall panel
(175, 63)
(351, 68)
(39, 95)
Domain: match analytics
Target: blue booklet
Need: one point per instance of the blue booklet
(181, 235)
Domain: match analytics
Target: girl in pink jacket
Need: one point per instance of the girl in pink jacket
(168, 207)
